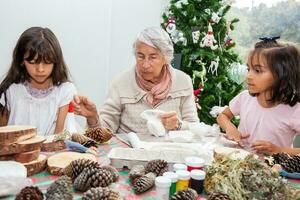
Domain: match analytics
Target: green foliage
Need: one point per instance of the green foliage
(282, 19)
(218, 89)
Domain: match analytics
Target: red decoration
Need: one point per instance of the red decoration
(196, 93)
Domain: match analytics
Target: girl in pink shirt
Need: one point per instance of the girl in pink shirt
(269, 110)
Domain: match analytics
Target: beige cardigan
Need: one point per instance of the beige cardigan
(126, 101)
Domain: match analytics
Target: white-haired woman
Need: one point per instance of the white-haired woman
(151, 84)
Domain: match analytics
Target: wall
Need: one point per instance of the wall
(96, 35)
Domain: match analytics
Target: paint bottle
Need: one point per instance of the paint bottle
(179, 166)
(197, 180)
(183, 179)
(174, 177)
(162, 185)
(194, 162)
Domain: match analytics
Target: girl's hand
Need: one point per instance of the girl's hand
(263, 146)
(170, 120)
(233, 134)
(86, 108)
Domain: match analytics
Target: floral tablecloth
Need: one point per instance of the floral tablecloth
(43, 180)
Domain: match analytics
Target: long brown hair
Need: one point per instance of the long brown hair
(42, 45)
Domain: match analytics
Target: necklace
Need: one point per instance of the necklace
(38, 93)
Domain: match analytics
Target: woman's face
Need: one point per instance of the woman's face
(149, 61)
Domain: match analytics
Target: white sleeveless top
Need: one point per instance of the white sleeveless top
(25, 109)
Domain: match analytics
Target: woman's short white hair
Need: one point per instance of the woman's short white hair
(158, 38)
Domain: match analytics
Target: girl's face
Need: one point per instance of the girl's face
(149, 61)
(39, 73)
(259, 78)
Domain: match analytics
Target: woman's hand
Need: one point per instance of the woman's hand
(170, 120)
(233, 134)
(86, 108)
(263, 146)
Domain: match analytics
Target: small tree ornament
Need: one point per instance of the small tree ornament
(209, 39)
(215, 18)
(200, 74)
(171, 25)
(180, 3)
(196, 93)
(237, 72)
(195, 34)
(228, 39)
(214, 65)
(177, 36)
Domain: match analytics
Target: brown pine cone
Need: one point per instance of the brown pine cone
(82, 139)
(30, 193)
(61, 189)
(218, 196)
(90, 143)
(114, 172)
(280, 157)
(144, 183)
(77, 166)
(90, 178)
(101, 193)
(157, 166)
(292, 164)
(186, 194)
(99, 134)
(136, 172)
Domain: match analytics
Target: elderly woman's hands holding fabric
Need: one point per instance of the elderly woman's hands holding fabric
(170, 120)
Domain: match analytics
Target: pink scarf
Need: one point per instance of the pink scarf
(156, 91)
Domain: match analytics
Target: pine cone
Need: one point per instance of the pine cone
(82, 139)
(218, 196)
(186, 194)
(30, 193)
(292, 164)
(101, 193)
(92, 178)
(280, 157)
(90, 143)
(144, 183)
(114, 172)
(77, 166)
(99, 134)
(157, 166)
(136, 172)
(60, 189)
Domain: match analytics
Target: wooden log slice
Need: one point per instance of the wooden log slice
(27, 156)
(6, 157)
(50, 145)
(14, 133)
(58, 162)
(234, 153)
(31, 144)
(36, 166)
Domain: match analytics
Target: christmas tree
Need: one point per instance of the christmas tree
(204, 50)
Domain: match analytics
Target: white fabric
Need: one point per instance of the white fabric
(39, 112)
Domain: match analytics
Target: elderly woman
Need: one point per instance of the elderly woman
(151, 84)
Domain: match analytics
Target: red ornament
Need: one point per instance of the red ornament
(196, 93)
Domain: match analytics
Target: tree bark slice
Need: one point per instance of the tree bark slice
(50, 146)
(15, 133)
(27, 156)
(36, 166)
(58, 162)
(31, 144)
